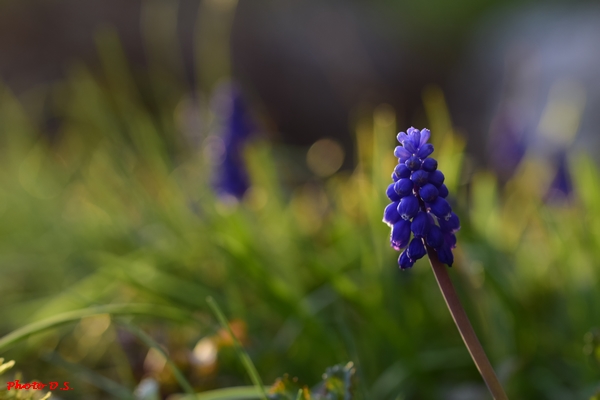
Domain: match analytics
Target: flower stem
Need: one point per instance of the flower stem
(464, 327)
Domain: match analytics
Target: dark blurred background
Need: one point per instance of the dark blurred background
(310, 66)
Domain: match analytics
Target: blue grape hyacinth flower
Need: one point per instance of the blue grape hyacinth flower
(231, 178)
(419, 207)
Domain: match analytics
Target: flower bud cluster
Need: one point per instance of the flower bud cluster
(419, 208)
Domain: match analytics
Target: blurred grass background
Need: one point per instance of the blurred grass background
(116, 206)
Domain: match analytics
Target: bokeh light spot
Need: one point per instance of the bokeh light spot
(325, 157)
(205, 352)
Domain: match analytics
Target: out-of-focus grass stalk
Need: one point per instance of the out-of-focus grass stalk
(233, 393)
(113, 309)
(212, 37)
(147, 339)
(115, 389)
(242, 354)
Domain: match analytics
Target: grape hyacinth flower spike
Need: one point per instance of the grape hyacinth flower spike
(418, 203)
(419, 209)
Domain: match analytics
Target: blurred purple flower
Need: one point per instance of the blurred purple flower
(230, 177)
(562, 186)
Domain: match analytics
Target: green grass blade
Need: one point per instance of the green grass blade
(115, 389)
(147, 339)
(233, 393)
(70, 316)
(242, 354)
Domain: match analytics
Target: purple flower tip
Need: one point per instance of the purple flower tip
(400, 234)
(404, 261)
(390, 214)
(419, 177)
(401, 137)
(420, 224)
(424, 136)
(437, 178)
(445, 254)
(401, 153)
(408, 207)
(428, 193)
(443, 191)
(402, 171)
(434, 237)
(440, 208)
(425, 150)
(391, 193)
(429, 164)
(450, 240)
(404, 187)
(415, 138)
(416, 249)
(413, 163)
(450, 223)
